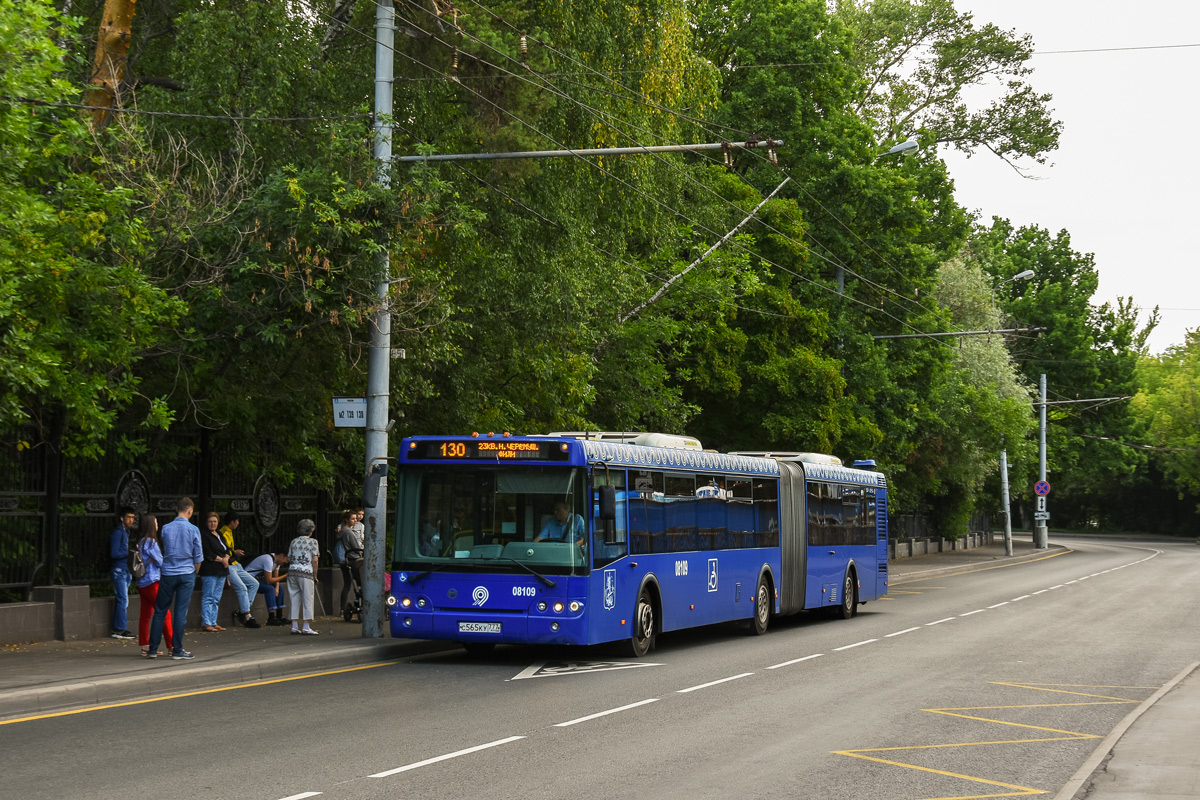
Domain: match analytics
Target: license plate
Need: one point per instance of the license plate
(479, 627)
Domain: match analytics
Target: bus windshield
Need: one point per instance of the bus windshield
(485, 518)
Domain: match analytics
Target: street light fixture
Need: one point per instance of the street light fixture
(1020, 276)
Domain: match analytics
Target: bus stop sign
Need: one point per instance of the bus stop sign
(1041, 488)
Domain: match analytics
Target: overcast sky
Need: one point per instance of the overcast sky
(1124, 180)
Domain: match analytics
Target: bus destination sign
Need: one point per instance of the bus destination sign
(486, 450)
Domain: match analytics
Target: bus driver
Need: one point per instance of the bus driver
(563, 526)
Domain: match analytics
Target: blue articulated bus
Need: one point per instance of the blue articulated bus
(574, 538)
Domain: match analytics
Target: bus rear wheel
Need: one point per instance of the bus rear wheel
(762, 608)
(849, 606)
(642, 640)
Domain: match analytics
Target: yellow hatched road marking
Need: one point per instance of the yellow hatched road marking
(1017, 790)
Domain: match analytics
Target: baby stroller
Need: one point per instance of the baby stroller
(353, 593)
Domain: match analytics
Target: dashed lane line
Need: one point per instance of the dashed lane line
(447, 756)
(976, 611)
(856, 644)
(1022, 597)
(898, 633)
(796, 661)
(940, 621)
(605, 713)
(714, 683)
(301, 796)
(1006, 602)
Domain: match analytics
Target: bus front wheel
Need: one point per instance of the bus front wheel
(849, 606)
(642, 640)
(762, 607)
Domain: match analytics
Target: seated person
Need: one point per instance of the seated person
(563, 526)
(431, 540)
(271, 581)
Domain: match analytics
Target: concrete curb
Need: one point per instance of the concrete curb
(933, 572)
(168, 677)
(1084, 775)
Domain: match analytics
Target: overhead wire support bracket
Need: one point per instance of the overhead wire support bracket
(768, 144)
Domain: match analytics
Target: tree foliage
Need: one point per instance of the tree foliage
(215, 266)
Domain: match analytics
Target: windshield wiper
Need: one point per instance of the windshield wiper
(549, 583)
(413, 578)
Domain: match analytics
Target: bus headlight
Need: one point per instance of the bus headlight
(558, 607)
(406, 602)
(391, 600)
(541, 605)
(575, 605)
(420, 602)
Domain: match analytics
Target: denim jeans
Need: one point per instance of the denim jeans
(120, 578)
(211, 587)
(174, 595)
(244, 585)
(273, 594)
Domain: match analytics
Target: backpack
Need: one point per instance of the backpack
(339, 552)
(139, 565)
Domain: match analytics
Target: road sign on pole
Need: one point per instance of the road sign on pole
(1041, 488)
(1041, 515)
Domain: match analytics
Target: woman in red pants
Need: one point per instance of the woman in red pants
(147, 585)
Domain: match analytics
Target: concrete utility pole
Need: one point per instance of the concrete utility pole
(1008, 551)
(378, 359)
(1039, 527)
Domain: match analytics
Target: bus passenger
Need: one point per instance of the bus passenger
(563, 526)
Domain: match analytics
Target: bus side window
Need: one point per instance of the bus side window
(610, 538)
(766, 512)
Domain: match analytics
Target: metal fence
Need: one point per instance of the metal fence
(57, 515)
(919, 526)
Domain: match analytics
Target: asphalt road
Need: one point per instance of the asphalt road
(999, 682)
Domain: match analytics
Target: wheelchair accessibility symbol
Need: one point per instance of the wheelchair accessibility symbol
(712, 574)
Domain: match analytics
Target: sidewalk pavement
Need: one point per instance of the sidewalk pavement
(1150, 754)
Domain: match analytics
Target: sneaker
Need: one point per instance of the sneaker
(122, 635)
(182, 655)
(155, 654)
(309, 632)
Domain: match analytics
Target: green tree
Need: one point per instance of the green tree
(1087, 352)
(919, 61)
(77, 312)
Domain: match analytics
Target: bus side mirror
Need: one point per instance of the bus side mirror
(608, 502)
(375, 478)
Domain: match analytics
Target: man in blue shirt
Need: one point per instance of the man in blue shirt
(182, 556)
(563, 526)
(119, 574)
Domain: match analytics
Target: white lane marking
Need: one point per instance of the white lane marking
(606, 713)
(939, 622)
(1059, 586)
(714, 683)
(446, 757)
(976, 611)
(1022, 597)
(1085, 577)
(301, 796)
(897, 633)
(856, 644)
(796, 661)
(1041, 591)
(1006, 602)
(1068, 583)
